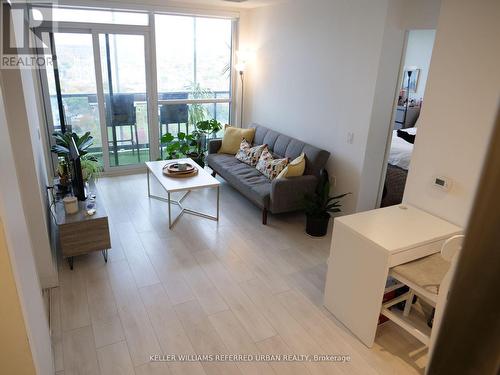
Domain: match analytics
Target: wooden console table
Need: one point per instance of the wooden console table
(80, 233)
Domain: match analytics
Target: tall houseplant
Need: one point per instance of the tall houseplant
(192, 145)
(319, 205)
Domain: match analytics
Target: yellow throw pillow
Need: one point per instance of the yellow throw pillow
(233, 137)
(295, 169)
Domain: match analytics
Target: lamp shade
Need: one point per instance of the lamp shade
(240, 67)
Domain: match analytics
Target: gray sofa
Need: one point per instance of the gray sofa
(277, 196)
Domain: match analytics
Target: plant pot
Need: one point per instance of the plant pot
(198, 159)
(317, 226)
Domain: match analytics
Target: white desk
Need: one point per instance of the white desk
(364, 247)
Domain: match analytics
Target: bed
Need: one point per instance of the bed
(397, 169)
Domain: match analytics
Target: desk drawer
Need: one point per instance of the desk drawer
(415, 253)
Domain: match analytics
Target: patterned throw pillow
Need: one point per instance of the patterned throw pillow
(270, 167)
(248, 154)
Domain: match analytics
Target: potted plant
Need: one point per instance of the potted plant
(90, 165)
(61, 148)
(319, 205)
(64, 176)
(192, 145)
(91, 169)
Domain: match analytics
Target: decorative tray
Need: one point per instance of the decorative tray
(173, 170)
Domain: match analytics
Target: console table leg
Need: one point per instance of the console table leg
(105, 255)
(70, 262)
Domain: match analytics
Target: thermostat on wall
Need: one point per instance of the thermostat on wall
(443, 183)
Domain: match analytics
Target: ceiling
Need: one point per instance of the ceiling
(231, 4)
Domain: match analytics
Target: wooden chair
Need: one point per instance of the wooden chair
(427, 278)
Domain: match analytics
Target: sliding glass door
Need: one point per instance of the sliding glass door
(99, 85)
(123, 70)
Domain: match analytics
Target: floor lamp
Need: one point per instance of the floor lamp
(240, 67)
(409, 72)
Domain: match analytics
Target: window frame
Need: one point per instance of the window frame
(150, 59)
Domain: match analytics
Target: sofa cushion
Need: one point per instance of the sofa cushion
(233, 137)
(270, 139)
(269, 166)
(294, 149)
(260, 133)
(248, 154)
(246, 179)
(295, 168)
(282, 145)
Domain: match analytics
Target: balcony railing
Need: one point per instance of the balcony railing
(82, 115)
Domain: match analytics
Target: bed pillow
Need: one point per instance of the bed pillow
(233, 137)
(269, 166)
(248, 154)
(296, 167)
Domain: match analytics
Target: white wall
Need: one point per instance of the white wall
(326, 70)
(21, 249)
(419, 53)
(461, 100)
(314, 77)
(23, 126)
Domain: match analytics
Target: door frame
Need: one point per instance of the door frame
(152, 105)
(94, 30)
(383, 172)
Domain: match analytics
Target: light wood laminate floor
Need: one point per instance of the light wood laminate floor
(233, 287)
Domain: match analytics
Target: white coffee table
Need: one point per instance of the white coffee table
(172, 185)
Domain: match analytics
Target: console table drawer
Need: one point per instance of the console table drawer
(84, 237)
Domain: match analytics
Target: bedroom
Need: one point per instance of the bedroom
(413, 79)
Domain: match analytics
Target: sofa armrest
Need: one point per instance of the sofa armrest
(214, 145)
(287, 193)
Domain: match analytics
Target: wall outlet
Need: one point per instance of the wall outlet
(350, 138)
(333, 182)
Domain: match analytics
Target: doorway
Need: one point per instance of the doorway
(408, 104)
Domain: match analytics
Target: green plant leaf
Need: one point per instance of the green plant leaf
(340, 196)
(166, 138)
(60, 150)
(333, 205)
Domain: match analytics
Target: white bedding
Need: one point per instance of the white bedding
(400, 154)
